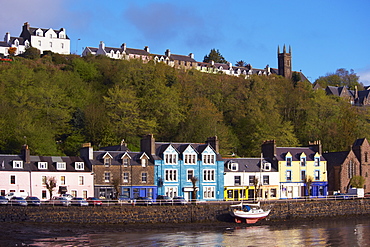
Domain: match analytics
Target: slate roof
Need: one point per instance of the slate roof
(182, 58)
(117, 157)
(32, 30)
(336, 158)
(281, 152)
(359, 142)
(33, 165)
(247, 164)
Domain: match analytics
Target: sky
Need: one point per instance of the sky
(325, 35)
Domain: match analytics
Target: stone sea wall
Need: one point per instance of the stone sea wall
(128, 214)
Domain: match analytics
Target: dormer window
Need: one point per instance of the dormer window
(61, 165)
(267, 166)
(208, 159)
(39, 33)
(233, 166)
(43, 165)
(125, 162)
(170, 158)
(317, 161)
(17, 164)
(303, 161)
(79, 165)
(107, 161)
(144, 162)
(288, 161)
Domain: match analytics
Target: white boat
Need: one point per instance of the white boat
(250, 212)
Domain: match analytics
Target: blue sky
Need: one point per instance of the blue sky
(325, 35)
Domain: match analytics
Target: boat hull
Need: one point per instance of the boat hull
(250, 217)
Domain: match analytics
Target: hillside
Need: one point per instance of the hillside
(56, 103)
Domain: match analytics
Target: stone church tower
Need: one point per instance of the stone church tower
(285, 62)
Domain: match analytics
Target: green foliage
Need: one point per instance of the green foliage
(357, 181)
(215, 56)
(31, 53)
(55, 103)
(340, 78)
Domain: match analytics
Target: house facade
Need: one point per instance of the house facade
(50, 39)
(302, 170)
(250, 178)
(120, 172)
(176, 164)
(28, 173)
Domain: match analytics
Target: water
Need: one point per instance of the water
(349, 232)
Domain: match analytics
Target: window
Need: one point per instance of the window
(126, 177)
(84, 193)
(43, 165)
(190, 174)
(51, 44)
(170, 158)
(144, 162)
(289, 161)
(50, 36)
(144, 177)
(289, 175)
(267, 166)
(170, 175)
(273, 193)
(233, 166)
(237, 180)
(43, 194)
(62, 180)
(365, 156)
(43, 180)
(317, 175)
(209, 175)
(171, 191)
(17, 164)
(107, 161)
(190, 159)
(351, 169)
(125, 162)
(62, 45)
(208, 159)
(303, 175)
(107, 177)
(79, 166)
(74, 193)
(61, 165)
(251, 180)
(266, 180)
(208, 192)
(39, 42)
(80, 180)
(12, 179)
(303, 161)
(317, 161)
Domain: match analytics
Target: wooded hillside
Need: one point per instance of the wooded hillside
(56, 103)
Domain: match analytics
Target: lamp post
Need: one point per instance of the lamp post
(77, 45)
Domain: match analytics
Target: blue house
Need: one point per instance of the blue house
(175, 164)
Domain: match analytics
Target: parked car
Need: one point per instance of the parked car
(146, 201)
(367, 194)
(67, 196)
(179, 200)
(10, 195)
(79, 201)
(60, 201)
(3, 200)
(124, 199)
(33, 201)
(20, 201)
(341, 196)
(163, 200)
(93, 201)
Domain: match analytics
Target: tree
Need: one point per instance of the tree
(215, 56)
(50, 183)
(257, 188)
(357, 181)
(308, 181)
(240, 63)
(31, 53)
(340, 78)
(116, 185)
(194, 181)
(12, 51)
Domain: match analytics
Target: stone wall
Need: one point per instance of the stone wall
(128, 214)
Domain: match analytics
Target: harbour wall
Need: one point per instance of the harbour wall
(215, 212)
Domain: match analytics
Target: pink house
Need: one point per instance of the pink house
(26, 173)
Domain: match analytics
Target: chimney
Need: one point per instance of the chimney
(102, 45)
(212, 62)
(168, 53)
(25, 153)
(26, 31)
(123, 47)
(191, 55)
(7, 38)
(123, 145)
(316, 146)
(213, 141)
(147, 144)
(86, 152)
(269, 149)
(146, 48)
(268, 70)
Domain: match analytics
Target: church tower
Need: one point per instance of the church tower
(285, 62)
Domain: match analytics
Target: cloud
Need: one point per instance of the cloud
(365, 75)
(164, 22)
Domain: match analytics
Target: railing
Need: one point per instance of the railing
(150, 202)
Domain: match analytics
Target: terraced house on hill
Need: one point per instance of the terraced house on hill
(302, 169)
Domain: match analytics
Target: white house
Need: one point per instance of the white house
(243, 176)
(26, 173)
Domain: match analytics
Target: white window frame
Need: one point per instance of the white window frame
(125, 162)
(107, 175)
(17, 164)
(81, 180)
(209, 175)
(61, 165)
(209, 159)
(170, 175)
(144, 177)
(10, 179)
(170, 159)
(171, 191)
(62, 180)
(190, 159)
(126, 177)
(144, 162)
(208, 192)
(189, 172)
(79, 166)
(42, 165)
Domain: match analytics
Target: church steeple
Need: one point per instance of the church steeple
(285, 62)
